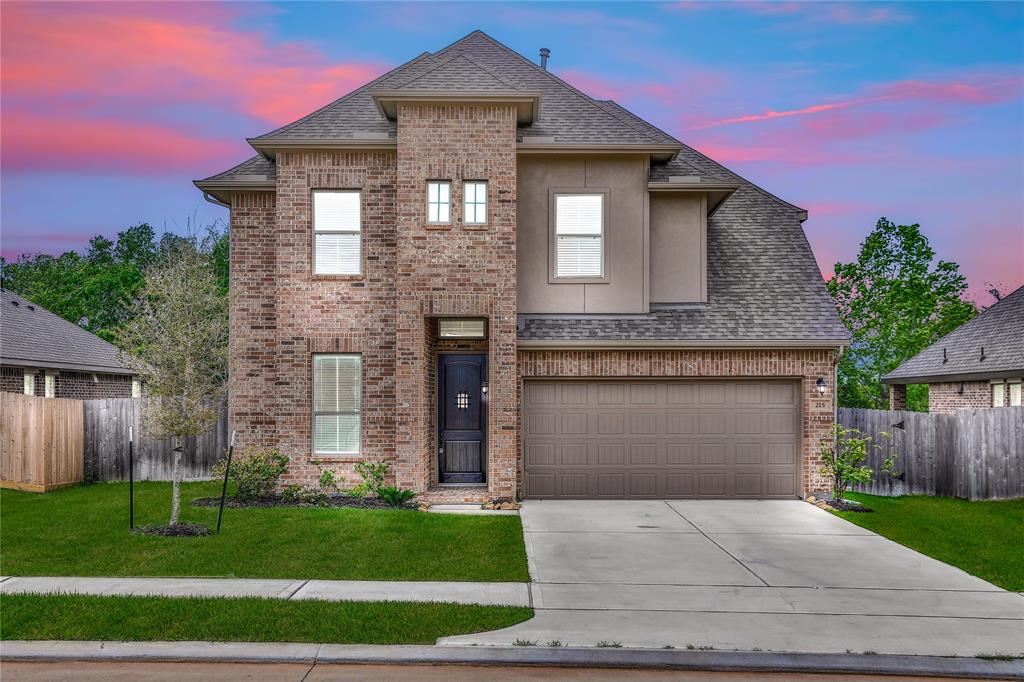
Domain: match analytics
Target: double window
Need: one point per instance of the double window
(337, 232)
(579, 235)
(439, 202)
(337, 402)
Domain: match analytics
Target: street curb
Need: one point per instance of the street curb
(734, 661)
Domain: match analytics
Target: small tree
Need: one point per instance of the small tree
(843, 454)
(176, 341)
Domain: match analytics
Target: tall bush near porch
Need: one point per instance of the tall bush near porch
(177, 342)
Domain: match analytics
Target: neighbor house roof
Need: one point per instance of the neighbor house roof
(32, 336)
(958, 356)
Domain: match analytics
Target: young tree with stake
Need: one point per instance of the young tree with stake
(177, 341)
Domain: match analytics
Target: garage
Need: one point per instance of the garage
(654, 439)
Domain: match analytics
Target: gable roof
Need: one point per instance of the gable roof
(32, 336)
(957, 356)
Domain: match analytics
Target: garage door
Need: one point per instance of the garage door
(633, 439)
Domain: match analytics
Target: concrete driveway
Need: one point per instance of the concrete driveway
(764, 574)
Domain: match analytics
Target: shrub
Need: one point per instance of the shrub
(255, 473)
(327, 480)
(373, 474)
(396, 497)
(291, 492)
(843, 454)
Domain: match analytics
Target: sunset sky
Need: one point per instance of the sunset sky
(913, 111)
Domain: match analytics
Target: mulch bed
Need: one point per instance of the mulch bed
(275, 501)
(181, 530)
(848, 506)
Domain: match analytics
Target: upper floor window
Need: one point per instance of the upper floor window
(579, 235)
(337, 402)
(337, 232)
(439, 202)
(998, 394)
(475, 203)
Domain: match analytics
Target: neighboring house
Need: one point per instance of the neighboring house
(44, 354)
(506, 288)
(978, 364)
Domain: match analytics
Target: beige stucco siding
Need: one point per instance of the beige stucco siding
(678, 247)
(625, 179)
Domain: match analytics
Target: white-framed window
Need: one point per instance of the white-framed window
(337, 403)
(337, 232)
(579, 235)
(50, 385)
(1015, 394)
(998, 394)
(474, 199)
(30, 382)
(439, 201)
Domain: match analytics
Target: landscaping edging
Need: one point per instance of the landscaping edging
(736, 661)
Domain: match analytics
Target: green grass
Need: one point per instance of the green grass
(982, 538)
(84, 531)
(81, 617)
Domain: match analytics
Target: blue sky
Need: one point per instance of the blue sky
(914, 111)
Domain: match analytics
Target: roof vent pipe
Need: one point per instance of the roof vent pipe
(544, 52)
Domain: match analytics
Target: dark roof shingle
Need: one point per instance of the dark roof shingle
(999, 330)
(33, 336)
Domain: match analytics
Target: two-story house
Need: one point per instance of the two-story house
(506, 288)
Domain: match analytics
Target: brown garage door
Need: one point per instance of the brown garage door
(661, 438)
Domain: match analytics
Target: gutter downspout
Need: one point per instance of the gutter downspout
(213, 200)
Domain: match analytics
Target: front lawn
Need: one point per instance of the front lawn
(982, 538)
(82, 617)
(84, 531)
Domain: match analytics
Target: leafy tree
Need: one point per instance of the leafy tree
(176, 340)
(895, 300)
(842, 455)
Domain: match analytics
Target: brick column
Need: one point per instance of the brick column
(897, 396)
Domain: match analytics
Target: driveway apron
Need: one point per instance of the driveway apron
(776, 575)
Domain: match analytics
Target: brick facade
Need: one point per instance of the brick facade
(68, 384)
(947, 398)
(804, 365)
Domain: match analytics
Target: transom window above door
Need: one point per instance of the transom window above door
(337, 232)
(439, 202)
(578, 248)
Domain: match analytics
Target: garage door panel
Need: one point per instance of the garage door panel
(661, 439)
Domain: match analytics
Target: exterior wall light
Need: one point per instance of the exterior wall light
(821, 385)
(483, 387)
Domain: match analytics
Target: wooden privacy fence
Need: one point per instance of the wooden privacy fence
(40, 442)
(106, 445)
(973, 454)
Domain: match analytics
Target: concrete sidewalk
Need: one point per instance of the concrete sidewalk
(486, 594)
(633, 659)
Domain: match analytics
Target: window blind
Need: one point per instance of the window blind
(579, 235)
(337, 398)
(337, 238)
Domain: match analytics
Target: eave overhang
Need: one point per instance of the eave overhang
(668, 344)
(955, 378)
(268, 146)
(657, 152)
(717, 192)
(527, 103)
(28, 363)
(223, 189)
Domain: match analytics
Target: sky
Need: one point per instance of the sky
(854, 110)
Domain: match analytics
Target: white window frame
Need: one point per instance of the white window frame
(553, 276)
(358, 411)
(30, 382)
(439, 203)
(320, 230)
(472, 203)
(998, 394)
(1016, 388)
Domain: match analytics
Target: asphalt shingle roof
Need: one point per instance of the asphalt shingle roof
(763, 281)
(999, 330)
(33, 336)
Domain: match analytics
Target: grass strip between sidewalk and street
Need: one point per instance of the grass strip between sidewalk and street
(983, 538)
(83, 531)
(242, 619)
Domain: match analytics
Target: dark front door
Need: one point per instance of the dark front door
(461, 417)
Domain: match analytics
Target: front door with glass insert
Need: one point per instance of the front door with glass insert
(461, 418)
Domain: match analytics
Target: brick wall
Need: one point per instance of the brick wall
(67, 384)
(805, 365)
(945, 398)
(455, 269)
(897, 396)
